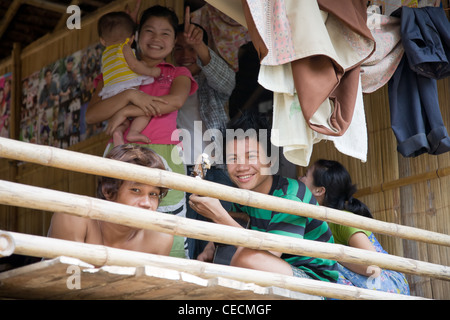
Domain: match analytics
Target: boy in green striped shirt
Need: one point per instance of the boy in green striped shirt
(249, 168)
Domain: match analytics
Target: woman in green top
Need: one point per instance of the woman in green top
(331, 185)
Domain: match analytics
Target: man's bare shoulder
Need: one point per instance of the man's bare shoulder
(156, 242)
(70, 227)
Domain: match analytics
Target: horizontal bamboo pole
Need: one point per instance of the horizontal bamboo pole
(101, 255)
(15, 194)
(79, 162)
(7, 244)
(439, 173)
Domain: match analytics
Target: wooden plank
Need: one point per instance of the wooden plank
(48, 280)
(107, 256)
(9, 15)
(46, 5)
(42, 280)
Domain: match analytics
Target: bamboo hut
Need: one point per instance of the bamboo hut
(410, 193)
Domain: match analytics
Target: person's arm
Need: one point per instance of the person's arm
(134, 103)
(68, 227)
(138, 66)
(244, 257)
(361, 241)
(175, 100)
(194, 37)
(212, 209)
(179, 92)
(219, 74)
(100, 110)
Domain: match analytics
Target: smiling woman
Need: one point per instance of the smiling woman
(156, 35)
(160, 100)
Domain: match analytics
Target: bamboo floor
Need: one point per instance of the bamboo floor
(66, 278)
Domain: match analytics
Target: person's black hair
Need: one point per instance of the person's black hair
(161, 12)
(118, 19)
(180, 29)
(339, 189)
(250, 121)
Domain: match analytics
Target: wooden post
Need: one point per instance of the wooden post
(15, 116)
(16, 91)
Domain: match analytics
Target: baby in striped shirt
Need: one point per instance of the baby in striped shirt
(121, 70)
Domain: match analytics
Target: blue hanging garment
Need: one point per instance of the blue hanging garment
(414, 106)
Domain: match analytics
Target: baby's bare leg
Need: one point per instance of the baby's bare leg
(118, 133)
(138, 124)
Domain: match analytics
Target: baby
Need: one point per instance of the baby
(122, 70)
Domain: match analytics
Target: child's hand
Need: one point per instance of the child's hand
(157, 72)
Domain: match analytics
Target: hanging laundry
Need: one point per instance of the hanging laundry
(379, 68)
(416, 119)
(354, 142)
(291, 131)
(426, 38)
(310, 54)
(325, 50)
(225, 35)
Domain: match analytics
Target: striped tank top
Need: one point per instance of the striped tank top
(114, 66)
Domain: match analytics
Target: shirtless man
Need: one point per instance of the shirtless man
(68, 227)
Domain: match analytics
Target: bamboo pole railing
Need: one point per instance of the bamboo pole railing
(438, 173)
(99, 255)
(70, 160)
(7, 244)
(15, 194)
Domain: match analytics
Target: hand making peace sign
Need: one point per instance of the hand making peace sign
(192, 33)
